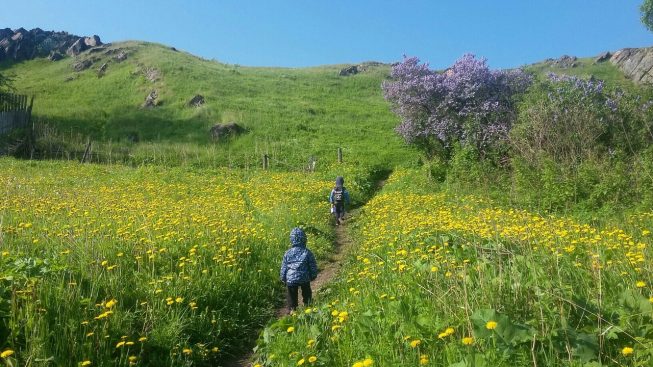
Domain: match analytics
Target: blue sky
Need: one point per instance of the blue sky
(297, 33)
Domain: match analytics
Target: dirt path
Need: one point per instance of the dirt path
(342, 246)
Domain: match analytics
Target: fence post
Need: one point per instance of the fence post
(339, 155)
(266, 161)
(87, 151)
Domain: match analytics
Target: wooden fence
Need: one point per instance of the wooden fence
(15, 112)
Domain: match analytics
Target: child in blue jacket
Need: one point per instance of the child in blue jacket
(298, 269)
(338, 198)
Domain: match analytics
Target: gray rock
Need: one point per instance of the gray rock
(151, 100)
(82, 65)
(603, 57)
(565, 62)
(77, 47)
(20, 44)
(102, 70)
(635, 63)
(349, 70)
(151, 74)
(223, 131)
(197, 101)
(92, 41)
(55, 56)
(121, 56)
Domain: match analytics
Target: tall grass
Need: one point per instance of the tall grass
(457, 281)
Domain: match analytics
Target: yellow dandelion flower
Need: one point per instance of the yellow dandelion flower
(357, 364)
(85, 363)
(312, 359)
(368, 362)
(290, 329)
(6, 353)
(110, 303)
(415, 343)
(627, 351)
(468, 340)
(187, 351)
(491, 325)
(640, 284)
(301, 362)
(120, 344)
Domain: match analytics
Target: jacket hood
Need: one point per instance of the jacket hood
(340, 181)
(298, 237)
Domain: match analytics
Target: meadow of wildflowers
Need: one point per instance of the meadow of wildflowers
(446, 281)
(116, 266)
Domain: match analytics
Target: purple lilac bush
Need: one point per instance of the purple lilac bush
(468, 103)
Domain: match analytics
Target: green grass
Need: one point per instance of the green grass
(514, 289)
(587, 68)
(292, 114)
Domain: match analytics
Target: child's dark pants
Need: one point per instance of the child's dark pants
(340, 213)
(293, 295)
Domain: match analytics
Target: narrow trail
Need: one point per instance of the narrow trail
(343, 244)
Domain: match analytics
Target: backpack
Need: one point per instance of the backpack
(338, 195)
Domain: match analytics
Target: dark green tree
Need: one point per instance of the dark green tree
(647, 14)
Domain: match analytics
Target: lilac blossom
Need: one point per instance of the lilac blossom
(467, 103)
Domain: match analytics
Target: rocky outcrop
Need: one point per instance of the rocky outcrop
(563, 62)
(636, 63)
(151, 100)
(82, 65)
(603, 57)
(82, 44)
(21, 44)
(197, 101)
(355, 69)
(224, 131)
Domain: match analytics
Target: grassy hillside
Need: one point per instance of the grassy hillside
(290, 113)
(587, 68)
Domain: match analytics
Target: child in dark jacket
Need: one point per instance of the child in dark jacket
(338, 198)
(298, 269)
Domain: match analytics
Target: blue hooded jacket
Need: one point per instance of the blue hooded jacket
(340, 182)
(299, 265)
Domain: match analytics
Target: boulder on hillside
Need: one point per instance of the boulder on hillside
(55, 56)
(565, 62)
(151, 74)
(102, 70)
(355, 69)
(349, 70)
(603, 57)
(121, 56)
(224, 131)
(151, 100)
(197, 101)
(82, 65)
